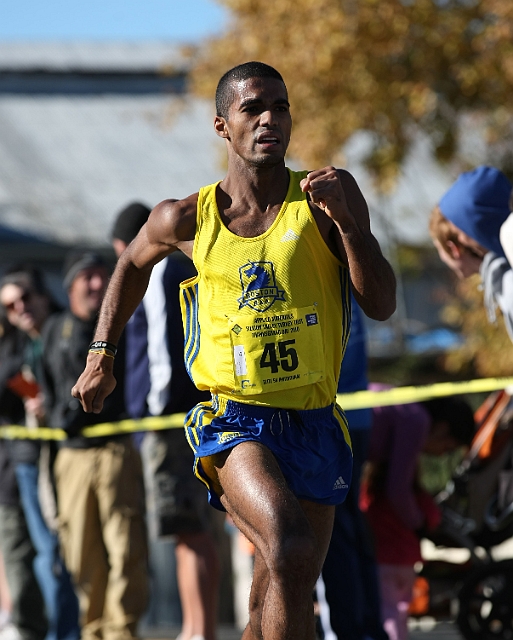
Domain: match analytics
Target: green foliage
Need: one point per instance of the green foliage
(413, 260)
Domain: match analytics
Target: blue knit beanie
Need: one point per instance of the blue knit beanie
(478, 204)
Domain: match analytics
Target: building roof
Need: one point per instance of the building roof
(92, 56)
(69, 162)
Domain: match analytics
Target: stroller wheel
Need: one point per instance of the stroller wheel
(486, 603)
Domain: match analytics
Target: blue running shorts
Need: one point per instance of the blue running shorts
(312, 447)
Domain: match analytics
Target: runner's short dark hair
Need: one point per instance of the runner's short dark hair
(245, 71)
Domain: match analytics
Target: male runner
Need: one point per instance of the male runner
(266, 321)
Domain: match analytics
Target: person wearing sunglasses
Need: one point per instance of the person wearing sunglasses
(28, 305)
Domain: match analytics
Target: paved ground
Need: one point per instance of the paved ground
(429, 630)
(425, 629)
(224, 633)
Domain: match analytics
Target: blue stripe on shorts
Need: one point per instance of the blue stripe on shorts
(312, 447)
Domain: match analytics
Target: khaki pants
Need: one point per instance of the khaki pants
(103, 535)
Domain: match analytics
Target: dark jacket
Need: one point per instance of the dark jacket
(8, 486)
(66, 340)
(11, 410)
(15, 348)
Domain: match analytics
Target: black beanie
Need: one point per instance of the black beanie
(76, 261)
(129, 221)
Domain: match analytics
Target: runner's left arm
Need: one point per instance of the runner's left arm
(336, 193)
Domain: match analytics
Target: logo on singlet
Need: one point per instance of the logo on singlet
(289, 236)
(258, 283)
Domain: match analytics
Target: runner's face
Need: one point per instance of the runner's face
(259, 121)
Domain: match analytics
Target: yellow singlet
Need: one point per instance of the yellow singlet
(266, 319)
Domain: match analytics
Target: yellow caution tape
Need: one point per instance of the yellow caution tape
(406, 395)
(152, 423)
(348, 401)
(17, 432)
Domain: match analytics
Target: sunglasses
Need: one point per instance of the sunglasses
(25, 297)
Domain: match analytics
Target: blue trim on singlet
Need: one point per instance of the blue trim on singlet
(192, 327)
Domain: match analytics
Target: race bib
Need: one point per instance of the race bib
(277, 351)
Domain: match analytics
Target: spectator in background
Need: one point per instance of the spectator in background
(157, 384)
(28, 305)
(397, 508)
(5, 595)
(348, 589)
(28, 620)
(466, 230)
(99, 479)
(27, 616)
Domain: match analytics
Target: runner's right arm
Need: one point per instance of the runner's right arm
(170, 227)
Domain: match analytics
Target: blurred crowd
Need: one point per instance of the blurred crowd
(75, 516)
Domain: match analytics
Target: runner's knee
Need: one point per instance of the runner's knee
(296, 558)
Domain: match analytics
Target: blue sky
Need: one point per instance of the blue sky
(177, 20)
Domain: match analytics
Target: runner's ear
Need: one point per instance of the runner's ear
(220, 127)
